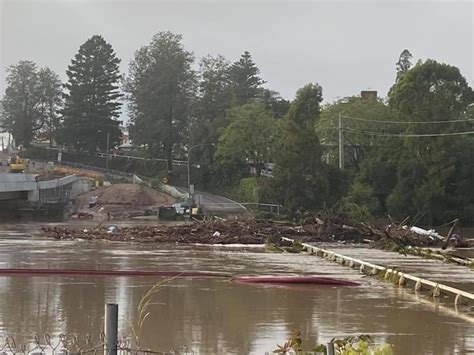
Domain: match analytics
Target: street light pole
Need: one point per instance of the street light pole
(189, 157)
(107, 152)
(341, 143)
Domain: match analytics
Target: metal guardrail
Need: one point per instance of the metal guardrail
(267, 206)
(228, 205)
(242, 205)
(375, 269)
(263, 172)
(95, 168)
(113, 156)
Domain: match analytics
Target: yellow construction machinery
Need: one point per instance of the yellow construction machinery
(18, 165)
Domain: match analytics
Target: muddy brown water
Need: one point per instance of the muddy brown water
(213, 315)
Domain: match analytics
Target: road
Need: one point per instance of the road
(218, 204)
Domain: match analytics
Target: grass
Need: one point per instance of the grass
(144, 308)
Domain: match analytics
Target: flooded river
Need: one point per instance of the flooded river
(213, 315)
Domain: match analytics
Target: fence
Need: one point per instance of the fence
(75, 345)
(107, 343)
(109, 172)
(264, 207)
(125, 156)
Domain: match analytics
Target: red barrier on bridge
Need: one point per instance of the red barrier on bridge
(85, 272)
(296, 280)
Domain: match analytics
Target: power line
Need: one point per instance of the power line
(403, 135)
(407, 122)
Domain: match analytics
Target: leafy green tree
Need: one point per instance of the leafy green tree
(248, 137)
(227, 173)
(272, 100)
(300, 176)
(92, 103)
(429, 92)
(357, 114)
(245, 79)
(459, 194)
(379, 171)
(30, 102)
(161, 87)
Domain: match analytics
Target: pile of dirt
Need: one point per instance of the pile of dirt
(131, 195)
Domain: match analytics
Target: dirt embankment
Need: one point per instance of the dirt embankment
(122, 200)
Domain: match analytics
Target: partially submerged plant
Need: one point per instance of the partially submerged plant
(292, 345)
(144, 308)
(352, 345)
(272, 248)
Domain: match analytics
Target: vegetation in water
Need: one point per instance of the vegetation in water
(359, 345)
(144, 308)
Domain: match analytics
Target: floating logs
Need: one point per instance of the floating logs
(249, 231)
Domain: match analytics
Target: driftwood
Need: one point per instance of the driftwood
(323, 228)
(450, 233)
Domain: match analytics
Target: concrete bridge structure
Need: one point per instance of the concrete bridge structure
(26, 187)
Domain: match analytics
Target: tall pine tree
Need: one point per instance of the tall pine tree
(244, 76)
(212, 104)
(92, 103)
(161, 87)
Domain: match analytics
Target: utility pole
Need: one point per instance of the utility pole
(107, 152)
(341, 144)
(189, 159)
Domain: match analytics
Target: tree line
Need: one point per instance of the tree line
(408, 154)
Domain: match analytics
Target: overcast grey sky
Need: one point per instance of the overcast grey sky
(345, 46)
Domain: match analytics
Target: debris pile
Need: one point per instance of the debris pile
(254, 231)
(251, 231)
(401, 236)
(206, 232)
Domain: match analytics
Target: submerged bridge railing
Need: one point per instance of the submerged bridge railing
(388, 273)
